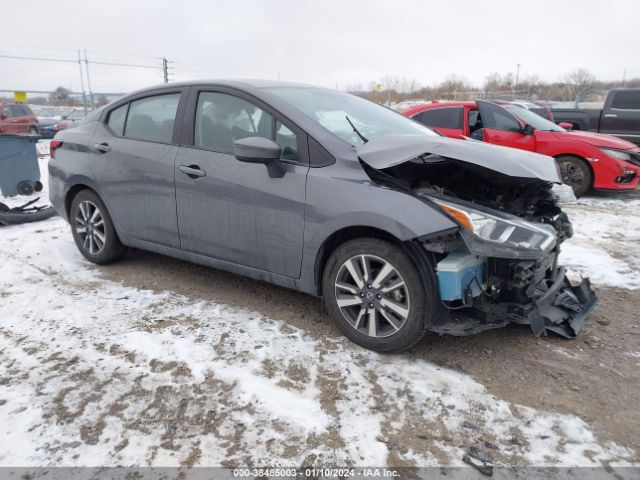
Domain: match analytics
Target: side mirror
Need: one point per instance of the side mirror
(566, 125)
(527, 130)
(3, 116)
(260, 150)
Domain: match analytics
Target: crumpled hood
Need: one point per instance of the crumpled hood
(598, 139)
(391, 150)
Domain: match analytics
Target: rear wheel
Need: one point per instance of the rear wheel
(576, 173)
(376, 296)
(93, 230)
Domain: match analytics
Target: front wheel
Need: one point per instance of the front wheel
(93, 229)
(376, 296)
(576, 173)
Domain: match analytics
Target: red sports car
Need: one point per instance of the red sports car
(586, 160)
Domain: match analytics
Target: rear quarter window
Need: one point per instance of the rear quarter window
(116, 119)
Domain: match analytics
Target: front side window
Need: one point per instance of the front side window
(222, 119)
(152, 118)
(449, 117)
(626, 100)
(497, 118)
(533, 119)
(117, 118)
(288, 141)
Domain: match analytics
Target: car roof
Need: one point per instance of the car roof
(242, 84)
(428, 106)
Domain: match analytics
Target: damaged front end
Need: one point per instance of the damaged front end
(500, 266)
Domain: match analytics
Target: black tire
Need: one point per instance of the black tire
(576, 173)
(416, 296)
(111, 248)
(33, 131)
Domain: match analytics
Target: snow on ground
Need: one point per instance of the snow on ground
(94, 373)
(606, 243)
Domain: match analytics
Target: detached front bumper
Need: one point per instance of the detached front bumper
(561, 307)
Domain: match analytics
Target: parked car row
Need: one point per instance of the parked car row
(18, 118)
(586, 160)
(399, 229)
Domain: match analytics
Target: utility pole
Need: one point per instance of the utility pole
(517, 78)
(165, 70)
(84, 95)
(86, 66)
(624, 77)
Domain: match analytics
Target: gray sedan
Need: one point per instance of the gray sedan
(399, 230)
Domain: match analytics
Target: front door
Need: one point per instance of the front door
(502, 128)
(235, 211)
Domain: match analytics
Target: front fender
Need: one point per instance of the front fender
(335, 205)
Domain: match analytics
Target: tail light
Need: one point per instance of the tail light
(53, 146)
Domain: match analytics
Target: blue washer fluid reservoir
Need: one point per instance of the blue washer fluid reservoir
(456, 271)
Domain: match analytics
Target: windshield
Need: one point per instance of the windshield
(330, 108)
(533, 119)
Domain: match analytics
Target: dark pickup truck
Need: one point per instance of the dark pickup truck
(620, 115)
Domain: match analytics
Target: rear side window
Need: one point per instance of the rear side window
(117, 118)
(626, 100)
(152, 118)
(27, 110)
(13, 111)
(450, 117)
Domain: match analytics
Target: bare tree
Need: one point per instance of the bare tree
(492, 83)
(102, 100)
(61, 96)
(579, 82)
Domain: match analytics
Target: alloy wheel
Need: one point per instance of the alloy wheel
(90, 227)
(571, 174)
(372, 295)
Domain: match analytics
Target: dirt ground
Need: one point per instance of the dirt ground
(593, 376)
(155, 361)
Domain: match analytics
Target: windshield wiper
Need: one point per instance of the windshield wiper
(362, 137)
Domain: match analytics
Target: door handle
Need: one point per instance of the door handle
(611, 115)
(192, 171)
(102, 147)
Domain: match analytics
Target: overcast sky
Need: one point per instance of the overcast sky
(325, 42)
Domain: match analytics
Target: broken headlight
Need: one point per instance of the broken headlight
(499, 235)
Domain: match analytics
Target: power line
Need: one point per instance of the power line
(39, 59)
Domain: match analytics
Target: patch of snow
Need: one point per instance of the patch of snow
(606, 241)
(138, 376)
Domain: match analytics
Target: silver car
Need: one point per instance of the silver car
(399, 230)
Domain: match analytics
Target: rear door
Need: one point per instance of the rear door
(132, 156)
(502, 128)
(445, 120)
(621, 115)
(235, 211)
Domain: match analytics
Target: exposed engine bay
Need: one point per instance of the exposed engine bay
(482, 287)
